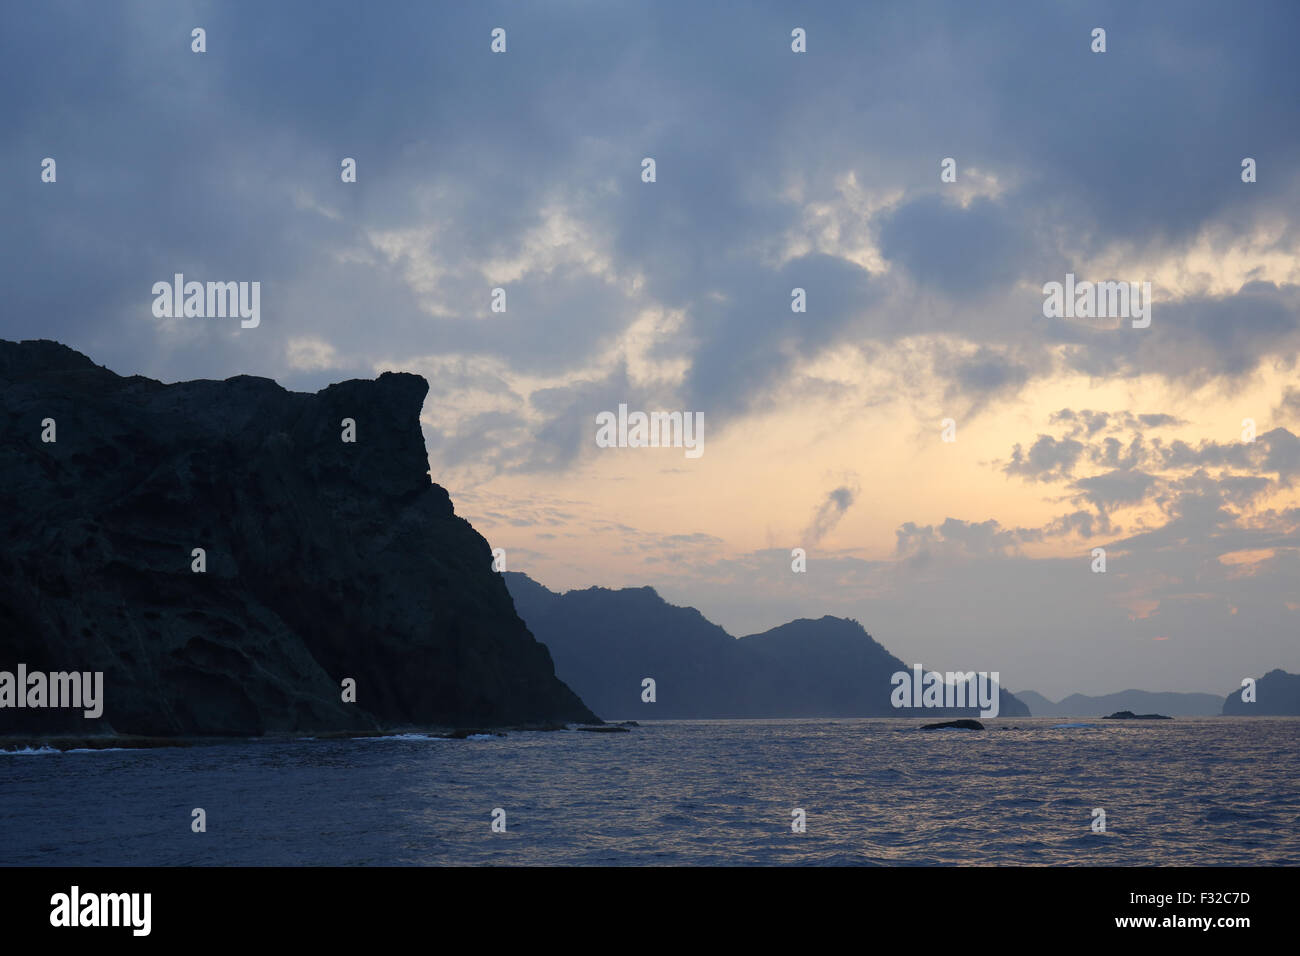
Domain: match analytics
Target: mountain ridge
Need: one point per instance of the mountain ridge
(1174, 703)
(1277, 694)
(606, 641)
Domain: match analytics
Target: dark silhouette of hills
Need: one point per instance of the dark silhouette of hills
(605, 641)
(1137, 701)
(325, 560)
(1277, 694)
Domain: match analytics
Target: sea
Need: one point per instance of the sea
(868, 792)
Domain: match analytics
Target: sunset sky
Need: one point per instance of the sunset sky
(774, 170)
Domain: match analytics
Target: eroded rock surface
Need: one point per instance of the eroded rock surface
(325, 560)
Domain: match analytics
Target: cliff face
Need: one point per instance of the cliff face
(606, 641)
(325, 560)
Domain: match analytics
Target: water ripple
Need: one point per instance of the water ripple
(1195, 791)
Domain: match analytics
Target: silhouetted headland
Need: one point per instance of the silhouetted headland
(322, 560)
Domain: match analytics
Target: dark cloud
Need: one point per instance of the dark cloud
(959, 251)
(1082, 523)
(1115, 489)
(1047, 459)
(983, 376)
(958, 538)
(522, 170)
(1289, 408)
(1159, 420)
(1112, 453)
(1192, 341)
(830, 511)
(1281, 454)
(1085, 422)
(747, 335)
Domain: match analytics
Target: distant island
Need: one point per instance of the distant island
(1277, 694)
(1129, 715)
(1137, 701)
(606, 642)
(235, 559)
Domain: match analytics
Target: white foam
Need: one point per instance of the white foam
(29, 751)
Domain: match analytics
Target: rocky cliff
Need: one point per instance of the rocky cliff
(325, 559)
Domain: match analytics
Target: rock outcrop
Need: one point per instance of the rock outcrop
(954, 725)
(325, 560)
(1129, 715)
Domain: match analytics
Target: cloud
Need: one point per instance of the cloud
(497, 183)
(955, 538)
(1085, 422)
(311, 354)
(961, 251)
(830, 511)
(1288, 409)
(1047, 459)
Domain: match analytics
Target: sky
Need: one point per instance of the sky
(774, 170)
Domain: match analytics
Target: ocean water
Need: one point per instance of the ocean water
(875, 791)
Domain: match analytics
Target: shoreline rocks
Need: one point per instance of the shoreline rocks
(963, 724)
